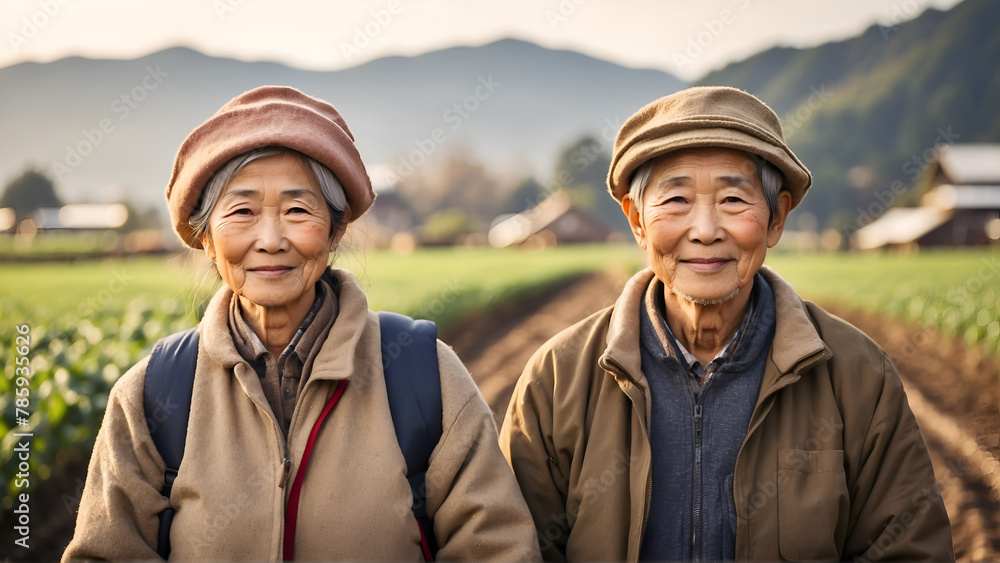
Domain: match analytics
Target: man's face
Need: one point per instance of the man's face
(704, 222)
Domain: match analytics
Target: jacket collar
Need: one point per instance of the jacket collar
(801, 345)
(336, 358)
(794, 330)
(623, 332)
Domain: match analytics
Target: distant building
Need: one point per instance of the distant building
(392, 211)
(960, 208)
(553, 221)
(81, 216)
(390, 216)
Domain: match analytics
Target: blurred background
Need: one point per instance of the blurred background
(487, 129)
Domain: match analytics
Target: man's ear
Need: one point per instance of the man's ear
(777, 226)
(634, 221)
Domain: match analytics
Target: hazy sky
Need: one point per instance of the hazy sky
(686, 38)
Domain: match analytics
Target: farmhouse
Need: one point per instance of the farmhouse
(961, 206)
(556, 220)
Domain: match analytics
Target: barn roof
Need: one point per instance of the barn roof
(900, 225)
(971, 163)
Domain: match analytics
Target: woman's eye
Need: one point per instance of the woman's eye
(732, 199)
(242, 211)
(297, 210)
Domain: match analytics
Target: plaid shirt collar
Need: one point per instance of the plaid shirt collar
(250, 340)
(690, 363)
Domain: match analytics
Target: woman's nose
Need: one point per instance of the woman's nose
(270, 236)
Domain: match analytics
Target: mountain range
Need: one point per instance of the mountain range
(860, 113)
(871, 111)
(512, 103)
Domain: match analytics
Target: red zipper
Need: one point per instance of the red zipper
(291, 514)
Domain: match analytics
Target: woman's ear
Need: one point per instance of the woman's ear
(206, 244)
(338, 233)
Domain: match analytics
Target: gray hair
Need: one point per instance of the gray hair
(770, 178)
(333, 191)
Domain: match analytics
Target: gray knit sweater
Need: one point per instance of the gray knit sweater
(696, 433)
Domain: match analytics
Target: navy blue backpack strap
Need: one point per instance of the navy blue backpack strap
(413, 385)
(166, 400)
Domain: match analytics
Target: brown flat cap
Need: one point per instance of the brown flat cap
(708, 116)
(264, 117)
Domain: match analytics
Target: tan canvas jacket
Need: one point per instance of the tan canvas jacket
(832, 466)
(231, 490)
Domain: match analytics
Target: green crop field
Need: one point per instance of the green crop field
(89, 321)
(956, 291)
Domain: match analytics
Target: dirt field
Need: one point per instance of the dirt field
(954, 393)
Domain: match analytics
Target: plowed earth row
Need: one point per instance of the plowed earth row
(953, 391)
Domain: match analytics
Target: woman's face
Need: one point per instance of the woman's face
(270, 233)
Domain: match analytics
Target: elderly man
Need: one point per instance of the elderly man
(711, 413)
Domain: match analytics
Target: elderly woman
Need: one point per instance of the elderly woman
(711, 413)
(289, 375)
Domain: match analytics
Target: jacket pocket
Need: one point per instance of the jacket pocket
(813, 504)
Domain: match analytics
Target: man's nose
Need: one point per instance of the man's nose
(705, 227)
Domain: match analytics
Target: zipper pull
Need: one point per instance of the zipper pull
(285, 472)
(697, 424)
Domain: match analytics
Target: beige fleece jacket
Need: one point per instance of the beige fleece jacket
(230, 493)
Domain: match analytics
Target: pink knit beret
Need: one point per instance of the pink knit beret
(705, 116)
(263, 117)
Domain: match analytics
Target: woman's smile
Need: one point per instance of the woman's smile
(271, 271)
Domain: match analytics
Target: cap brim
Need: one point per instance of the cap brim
(797, 177)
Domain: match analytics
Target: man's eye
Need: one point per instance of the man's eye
(732, 199)
(676, 199)
(297, 210)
